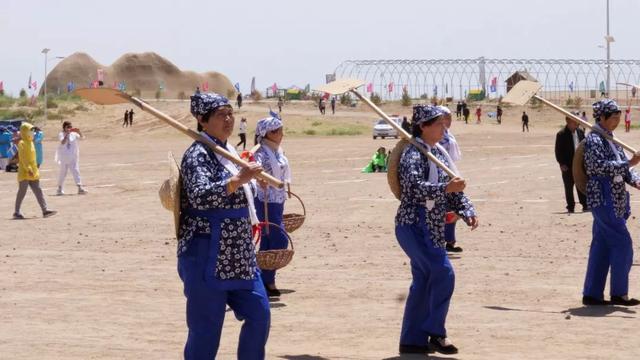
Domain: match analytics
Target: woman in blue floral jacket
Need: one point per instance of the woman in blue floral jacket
(216, 256)
(427, 194)
(608, 169)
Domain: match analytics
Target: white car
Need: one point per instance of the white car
(383, 129)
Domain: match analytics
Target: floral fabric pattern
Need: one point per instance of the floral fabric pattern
(601, 164)
(204, 187)
(416, 191)
(268, 159)
(202, 103)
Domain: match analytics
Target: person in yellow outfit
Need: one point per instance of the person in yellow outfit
(28, 174)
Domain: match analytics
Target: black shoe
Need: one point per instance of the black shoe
(571, 211)
(586, 209)
(414, 349)
(591, 301)
(48, 213)
(437, 342)
(452, 248)
(18, 216)
(619, 300)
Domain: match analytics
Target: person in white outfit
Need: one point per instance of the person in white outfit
(68, 156)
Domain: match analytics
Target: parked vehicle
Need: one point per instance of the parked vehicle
(383, 130)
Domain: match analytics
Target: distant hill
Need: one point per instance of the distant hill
(144, 72)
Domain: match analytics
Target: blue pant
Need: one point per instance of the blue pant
(611, 247)
(276, 239)
(431, 289)
(206, 305)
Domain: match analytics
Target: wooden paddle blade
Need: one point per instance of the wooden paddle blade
(103, 96)
(340, 86)
(522, 92)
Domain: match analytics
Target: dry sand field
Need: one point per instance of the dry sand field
(99, 281)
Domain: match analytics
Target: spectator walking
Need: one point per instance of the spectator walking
(239, 100)
(458, 110)
(125, 123)
(242, 132)
(525, 121)
(68, 156)
(333, 105)
(466, 113)
(627, 119)
(131, 117)
(280, 104)
(499, 114)
(321, 106)
(478, 114)
(567, 141)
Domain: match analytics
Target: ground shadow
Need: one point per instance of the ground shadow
(593, 311)
(420, 356)
(600, 311)
(303, 357)
(286, 291)
(276, 305)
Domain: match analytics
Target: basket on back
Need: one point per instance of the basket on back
(274, 259)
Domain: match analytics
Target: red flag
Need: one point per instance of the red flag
(34, 86)
(391, 87)
(370, 87)
(274, 88)
(1, 86)
(205, 86)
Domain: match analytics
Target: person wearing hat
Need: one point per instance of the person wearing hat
(426, 193)
(608, 169)
(28, 173)
(216, 255)
(450, 144)
(270, 155)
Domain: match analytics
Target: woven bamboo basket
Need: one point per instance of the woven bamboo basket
(275, 259)
(293, 222)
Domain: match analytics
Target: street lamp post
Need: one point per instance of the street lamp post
(45, 51)
(609, 39)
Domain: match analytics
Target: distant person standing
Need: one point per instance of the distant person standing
(239, 100)
(280, 103)
(584, 116)
(333, 105)
(478, 114)
(38, 136)
(567, 141)
(458, 110)
(406, 126)
(466, 113)
(68, 156)
(627, 119)
(131, 117)
(499, 114)
(125, 123)
(28, 173)
(525, 121)
(197, 89)
(321, 106)
(242, 132)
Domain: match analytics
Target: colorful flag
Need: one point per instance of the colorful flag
(34, 85)
(100, 75)
(1, 86)
(237, 86)
(274, 88)
(494, 84)
(253, 84)
(390, 86)
(571, 86)
(205, 86)
(307, 88)
(95, 84)
(29, 84)
(370, 87)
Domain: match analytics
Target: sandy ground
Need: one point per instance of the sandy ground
(98, 281)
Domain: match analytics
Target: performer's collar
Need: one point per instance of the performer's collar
(215, 139)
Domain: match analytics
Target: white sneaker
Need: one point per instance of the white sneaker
(59, 192)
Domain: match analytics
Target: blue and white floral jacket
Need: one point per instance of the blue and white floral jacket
(607, 175)
(204, 187)
(413, 174)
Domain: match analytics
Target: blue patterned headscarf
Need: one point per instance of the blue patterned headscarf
(202, 103)
(267, 124)
(604, 107)
(444, 109)
(425, 113)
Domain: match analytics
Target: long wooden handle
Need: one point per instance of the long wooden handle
(585, 123)
(405, 135)
(196, 136)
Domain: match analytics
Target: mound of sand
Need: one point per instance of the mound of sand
(144, 72)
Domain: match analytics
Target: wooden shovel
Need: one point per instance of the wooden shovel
(104, 96)
(341, 86)
(524, 90)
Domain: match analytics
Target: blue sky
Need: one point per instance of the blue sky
(297, 42)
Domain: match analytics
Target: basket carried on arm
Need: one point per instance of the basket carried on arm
(273, 259)
(293, 222)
